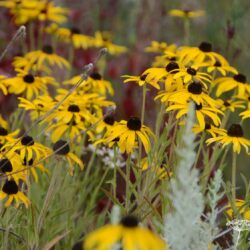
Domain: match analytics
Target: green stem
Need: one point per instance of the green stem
(31, 36)
(159, 120)
(234, 181)
(128, 167)
(203, 135)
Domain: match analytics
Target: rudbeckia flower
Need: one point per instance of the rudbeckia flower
(127, 233)
(242, 208)
(10, 190)
(209, 128)
(186, 13)
(128, 133)
(161, 47)
(28, 148)
(6, 136)
(62, 148)
(193, 92)
(140, 80)
(103, 40)
(223, 69)
(202, 113)
(46, 56)
(200, 54)
(230, 104)
(29, 85)
(3, 85)
(238, 82)
(71, 35)
(234, 135)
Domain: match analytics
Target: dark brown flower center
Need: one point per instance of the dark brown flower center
(195, 88)
(27, 141)
(198, 106)
(143, 77)
(29, 78)
(129, 221)
(5, 166)
(226, 103)
(235, 130)
(110, 120)
(48, 49)
(217, 64)
(205, 47)
(3, 131)
(191, 71)
(96, 76)
(172, 66)
(134, 123)
(75, 30)
(28, 163)
(240, 78)
(207, 126)
(10, 187)
(61, 147)
(73, 108)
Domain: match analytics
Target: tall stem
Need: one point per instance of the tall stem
(234, 182)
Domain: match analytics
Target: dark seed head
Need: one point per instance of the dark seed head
(198, 106)
(240, 78)
(207, 126)
(73, 108)
(217, 64)
(129, 221)
(191, 71)
(134, 123)
(29, 163)
(205, 47)
(61, 147)
(110, 120)
(172, 66)
(78, 246)
(3, 131)
(75, 30)
(143, 77)
(48, 49)
(235, 130)
(5, 166)
(28, 78)
(226, 103)
(10, 187)
(96, 76)
(27, 141)
(195, 88)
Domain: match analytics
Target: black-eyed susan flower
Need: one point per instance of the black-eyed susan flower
(38, 106)
(62, 148)
(223, 69)
(3, 85)
(29, 85)
(128, 233)
(234, 136)
(242, 208)
(202, 112)
(186, 13)
(200, 54)
(28, 148)
(161, 47)
(192, 92)
(209, 128)
(51, 12)
(71, 35)
(128, 133)
(6, 136)
(11, 191)
(230, 104)
(103, 40)
(46, 56)
(140, 80)
(237, 82)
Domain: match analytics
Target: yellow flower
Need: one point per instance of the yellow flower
(193, 92)
(128, 132)
(10, 191)
(62, 148)
(29, 85)
(202, 113)
(53, 13)
(186, 13)
(209, 128)
(28, 148)
(3, 85)
(72, 35)
(230, 104)
(238, 82)
(103, 40)
(200, 54)
(127, 233)
(46, 56)
(242, 208)
(161, 47)
(140, 80)
(234, 135)
(222, 68)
